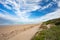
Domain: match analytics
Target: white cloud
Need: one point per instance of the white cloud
(23, 7)
(50, 16)
(22, 15)
(59, 3)
(47, 17)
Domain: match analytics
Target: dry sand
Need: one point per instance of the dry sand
(18, 32)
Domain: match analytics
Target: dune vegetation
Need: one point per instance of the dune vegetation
(52, 33)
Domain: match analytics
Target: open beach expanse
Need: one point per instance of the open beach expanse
(18, 32)
(29, 19)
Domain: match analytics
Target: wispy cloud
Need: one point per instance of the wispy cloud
(50, 16)
(22, 8)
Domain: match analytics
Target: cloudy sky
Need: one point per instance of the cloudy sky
(28, 11)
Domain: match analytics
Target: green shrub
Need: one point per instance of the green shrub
(51, 34)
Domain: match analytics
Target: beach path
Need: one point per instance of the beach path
(26, 35)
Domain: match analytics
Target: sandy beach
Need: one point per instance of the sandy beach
(18, 32)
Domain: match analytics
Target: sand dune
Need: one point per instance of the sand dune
(18, 32)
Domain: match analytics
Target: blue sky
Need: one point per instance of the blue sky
(28, 11)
